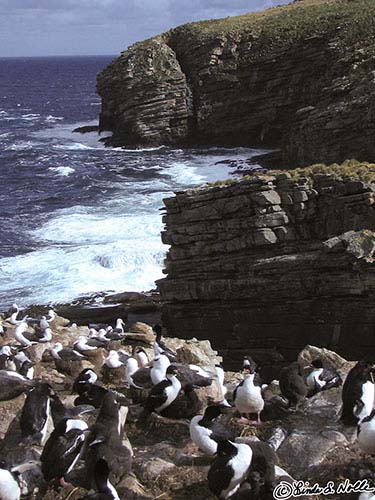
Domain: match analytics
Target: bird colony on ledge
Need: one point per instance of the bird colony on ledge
(110, 413)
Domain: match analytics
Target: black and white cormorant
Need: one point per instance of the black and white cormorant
(165, 392)
(321, 379)
(206, 431)
(230, 469)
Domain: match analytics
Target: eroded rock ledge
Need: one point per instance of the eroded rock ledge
(299, 77)
(274, 261)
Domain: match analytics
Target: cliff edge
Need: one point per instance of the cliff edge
(274, 261)
(299, 77)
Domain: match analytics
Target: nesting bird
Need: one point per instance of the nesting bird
(24, 337)
(321, 379)
(206, 431)
(137, 377)
(65, 353)
(159, 368)
(12, 384)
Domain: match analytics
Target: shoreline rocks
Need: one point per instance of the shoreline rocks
(106, 308)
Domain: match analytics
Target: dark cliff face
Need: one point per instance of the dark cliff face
(273, 261)
(299, 76)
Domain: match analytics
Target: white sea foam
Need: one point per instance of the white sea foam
(77, 226)
(53, 119)
(31, 117)
(73, 147)
(63, 171)
(22, 145)
(140, 150)
(87, 253)
(63, 137)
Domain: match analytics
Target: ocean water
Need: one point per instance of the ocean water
(77, 217)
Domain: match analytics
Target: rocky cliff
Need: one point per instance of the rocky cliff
(274, 261)
(299, 77)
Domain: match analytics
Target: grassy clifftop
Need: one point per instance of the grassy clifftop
(292, 22)
(299, 77)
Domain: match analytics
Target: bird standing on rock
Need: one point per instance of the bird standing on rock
(292, 384)
(247, 395)
(13, 314)
(358, 393)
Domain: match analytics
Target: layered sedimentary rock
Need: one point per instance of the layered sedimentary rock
(300, 77)
(273, 262)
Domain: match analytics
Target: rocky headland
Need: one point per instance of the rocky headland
(298, 77)
(267, 264)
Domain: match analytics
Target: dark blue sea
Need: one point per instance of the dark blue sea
(77, 217)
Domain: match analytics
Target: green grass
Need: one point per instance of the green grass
(289, 23)
(349, 169)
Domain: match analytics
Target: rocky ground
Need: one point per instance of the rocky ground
(311, 443)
